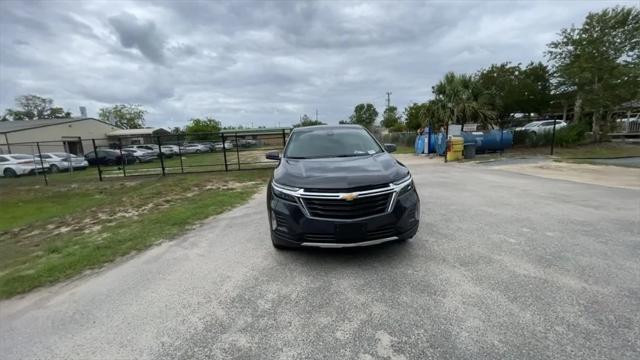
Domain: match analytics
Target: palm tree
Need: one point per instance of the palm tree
(460, 99)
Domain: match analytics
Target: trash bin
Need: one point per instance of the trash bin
(469, 150)
(455, 148)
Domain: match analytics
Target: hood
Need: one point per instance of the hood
(340, 173)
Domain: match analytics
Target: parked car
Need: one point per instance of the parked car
(60, 161)
(227, 145)
(247, 142)
(337, 186)
(146, 148)
(167, 150)
(109, 157)
(193, 148)
(540, 127)
(12, 165)
(175, 149)
(141, 156)
(211, 146)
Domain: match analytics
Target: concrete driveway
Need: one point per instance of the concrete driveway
(505, 265)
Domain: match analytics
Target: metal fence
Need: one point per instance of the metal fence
(160, 155)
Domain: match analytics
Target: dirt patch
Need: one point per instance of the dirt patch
(612, 176)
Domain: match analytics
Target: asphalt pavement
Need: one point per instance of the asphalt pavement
(504, 265)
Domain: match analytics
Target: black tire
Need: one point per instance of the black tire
(8, 172)
(54, 168)
(110, 162)
(198, 151)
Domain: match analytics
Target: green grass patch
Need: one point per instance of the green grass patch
(55, 232)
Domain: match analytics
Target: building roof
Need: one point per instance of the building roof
(138, 132)
(22, 125)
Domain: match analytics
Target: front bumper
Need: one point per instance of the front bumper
(291, 227)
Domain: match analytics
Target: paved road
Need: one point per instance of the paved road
(504, 266)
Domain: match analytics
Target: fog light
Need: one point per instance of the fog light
(274, 223)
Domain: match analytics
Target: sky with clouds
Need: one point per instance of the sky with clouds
(261, 63)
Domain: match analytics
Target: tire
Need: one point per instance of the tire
(54, 168)
(198, 151)
(9, 172)
(110, 162)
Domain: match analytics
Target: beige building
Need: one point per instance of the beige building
(72, 135)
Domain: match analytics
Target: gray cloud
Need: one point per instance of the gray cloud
(141, 35)
(261, 62)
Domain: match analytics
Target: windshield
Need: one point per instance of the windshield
(323, 143)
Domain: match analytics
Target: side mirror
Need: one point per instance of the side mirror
(273, 155)
(390, 147)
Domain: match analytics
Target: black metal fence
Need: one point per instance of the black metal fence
(159, 155)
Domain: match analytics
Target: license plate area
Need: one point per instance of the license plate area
(355, 231)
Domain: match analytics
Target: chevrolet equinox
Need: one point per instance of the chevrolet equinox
(337, 186)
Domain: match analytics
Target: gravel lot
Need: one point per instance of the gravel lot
(505, 265)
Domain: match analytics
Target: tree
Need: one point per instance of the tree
(509, 89)
(460, 99)
(599, 61)
(202, 129)
(390, 117)
(307, 121)
(415, 116)
(364, 114)
(126, 116)
(31, 107)
(176, 130)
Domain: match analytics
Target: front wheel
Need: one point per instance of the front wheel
(8, 172)
(54, 168)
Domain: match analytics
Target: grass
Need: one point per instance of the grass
(593, 151)
(402, 149)
(51, 233)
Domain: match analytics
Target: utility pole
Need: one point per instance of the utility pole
(316, 114)
(388, 98)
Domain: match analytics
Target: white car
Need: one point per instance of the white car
(12, 165)
(193, 148)
(227, 145)
(141, 155)
(540, 127)
(167, 150)
(60, 161)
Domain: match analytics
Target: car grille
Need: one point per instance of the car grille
(380, 233)
(343, 209)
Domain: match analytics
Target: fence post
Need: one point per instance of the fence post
(553, 137)
(180, 153)
(122, 158)
(95, 153)
(6, 140)
(44, 171)
(224, 153)
(284, 138)
(237, 151)
(161, 155)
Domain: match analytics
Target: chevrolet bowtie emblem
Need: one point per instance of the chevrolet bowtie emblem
(349, 197)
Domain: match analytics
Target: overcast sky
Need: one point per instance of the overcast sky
(261, 63)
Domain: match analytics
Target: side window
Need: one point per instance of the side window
(3, 159)
(46, 156)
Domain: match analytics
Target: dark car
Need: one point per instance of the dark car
(108, 157)
(337, 186)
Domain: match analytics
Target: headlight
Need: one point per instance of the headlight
(284, 192)
(404, 185)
